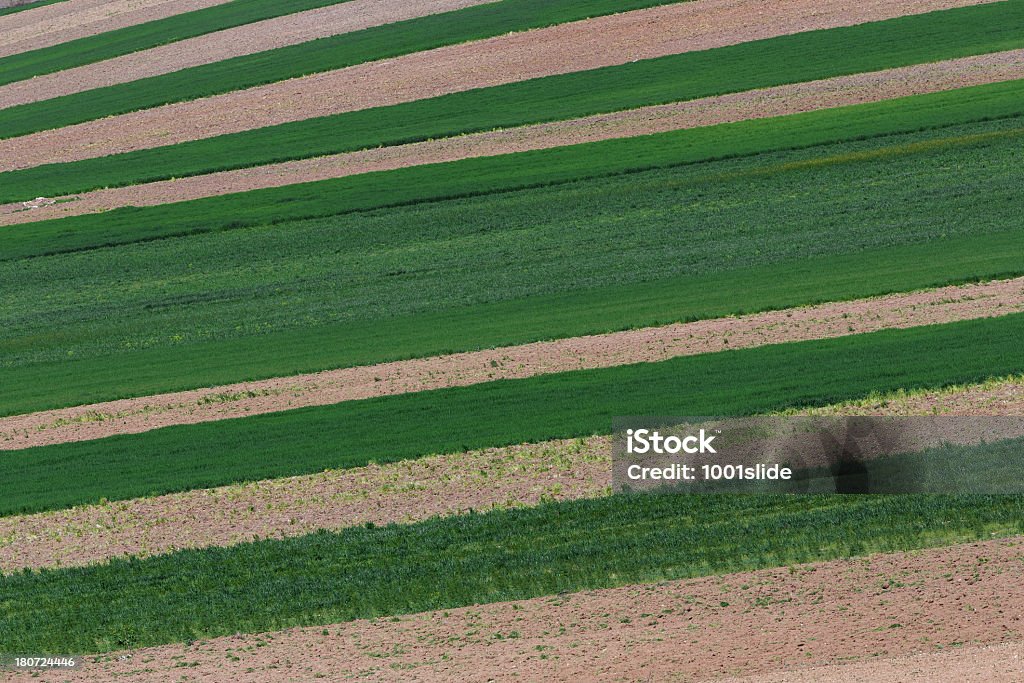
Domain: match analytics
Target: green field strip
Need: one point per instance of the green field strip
(363, 573)
(485, 175)
(499, 413)
(324, 54)
(851, 50)
(31, 5)
(130, 39)
(729, 237)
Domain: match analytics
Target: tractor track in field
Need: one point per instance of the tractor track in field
(565, 48)
(754, 104)
(260, 36)
(40, 27)
(855, 611)
(402, 492)
(135, 415)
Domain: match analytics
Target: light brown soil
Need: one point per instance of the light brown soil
(992, 664)
(61, 22)
(576, 46)
(781, 619)
(406, 491)
(214, 47)
(128, 416)
(790, 99)
(401, 492)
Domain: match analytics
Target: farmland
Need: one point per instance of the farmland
(352, 417)
(609, 225)
(441, 564)
(721, 70)
(507, 412)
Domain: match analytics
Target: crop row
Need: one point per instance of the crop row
(742, 67)
(506, 412)
(471, 559)
(325, 54)
(592, 256)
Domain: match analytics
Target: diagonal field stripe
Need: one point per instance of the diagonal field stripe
(136, 415)
(69, 20)
(577, 46)
(763, 103)
(260, 36)
(403, 492)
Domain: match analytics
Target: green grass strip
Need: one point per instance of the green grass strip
(293, 61)
(289, 352)
(484, 175)
(472, 559)
(31, 5)
(867, 47)
(505, 412)
(130, 39)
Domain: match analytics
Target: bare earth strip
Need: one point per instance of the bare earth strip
(129, 416)
(51, 25)
(235, 42)
(991, 664)
(577, 46)
(401, 492)
(881, 606)
(407, 491)
(765, 103)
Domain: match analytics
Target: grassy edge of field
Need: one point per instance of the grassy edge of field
(445, 563)
(505, 412)
(561, 97)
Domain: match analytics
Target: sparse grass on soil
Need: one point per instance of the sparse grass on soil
(531, 265)
(541, 408)
(561, 97)
(446, 563)
(325, 54)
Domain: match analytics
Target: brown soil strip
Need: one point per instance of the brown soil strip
(407, 491)
(788, 618)
(992, 664)
(577, 46)
(214, 47)
(402, 492)
(777, 101)
(129, 416)
(61, 22)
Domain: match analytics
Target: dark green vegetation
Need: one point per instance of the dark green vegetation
(31, 5)
(380, 42)
(763, 63)
(593, 256)
(506, 412)
(144, 36)
(471, 559)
